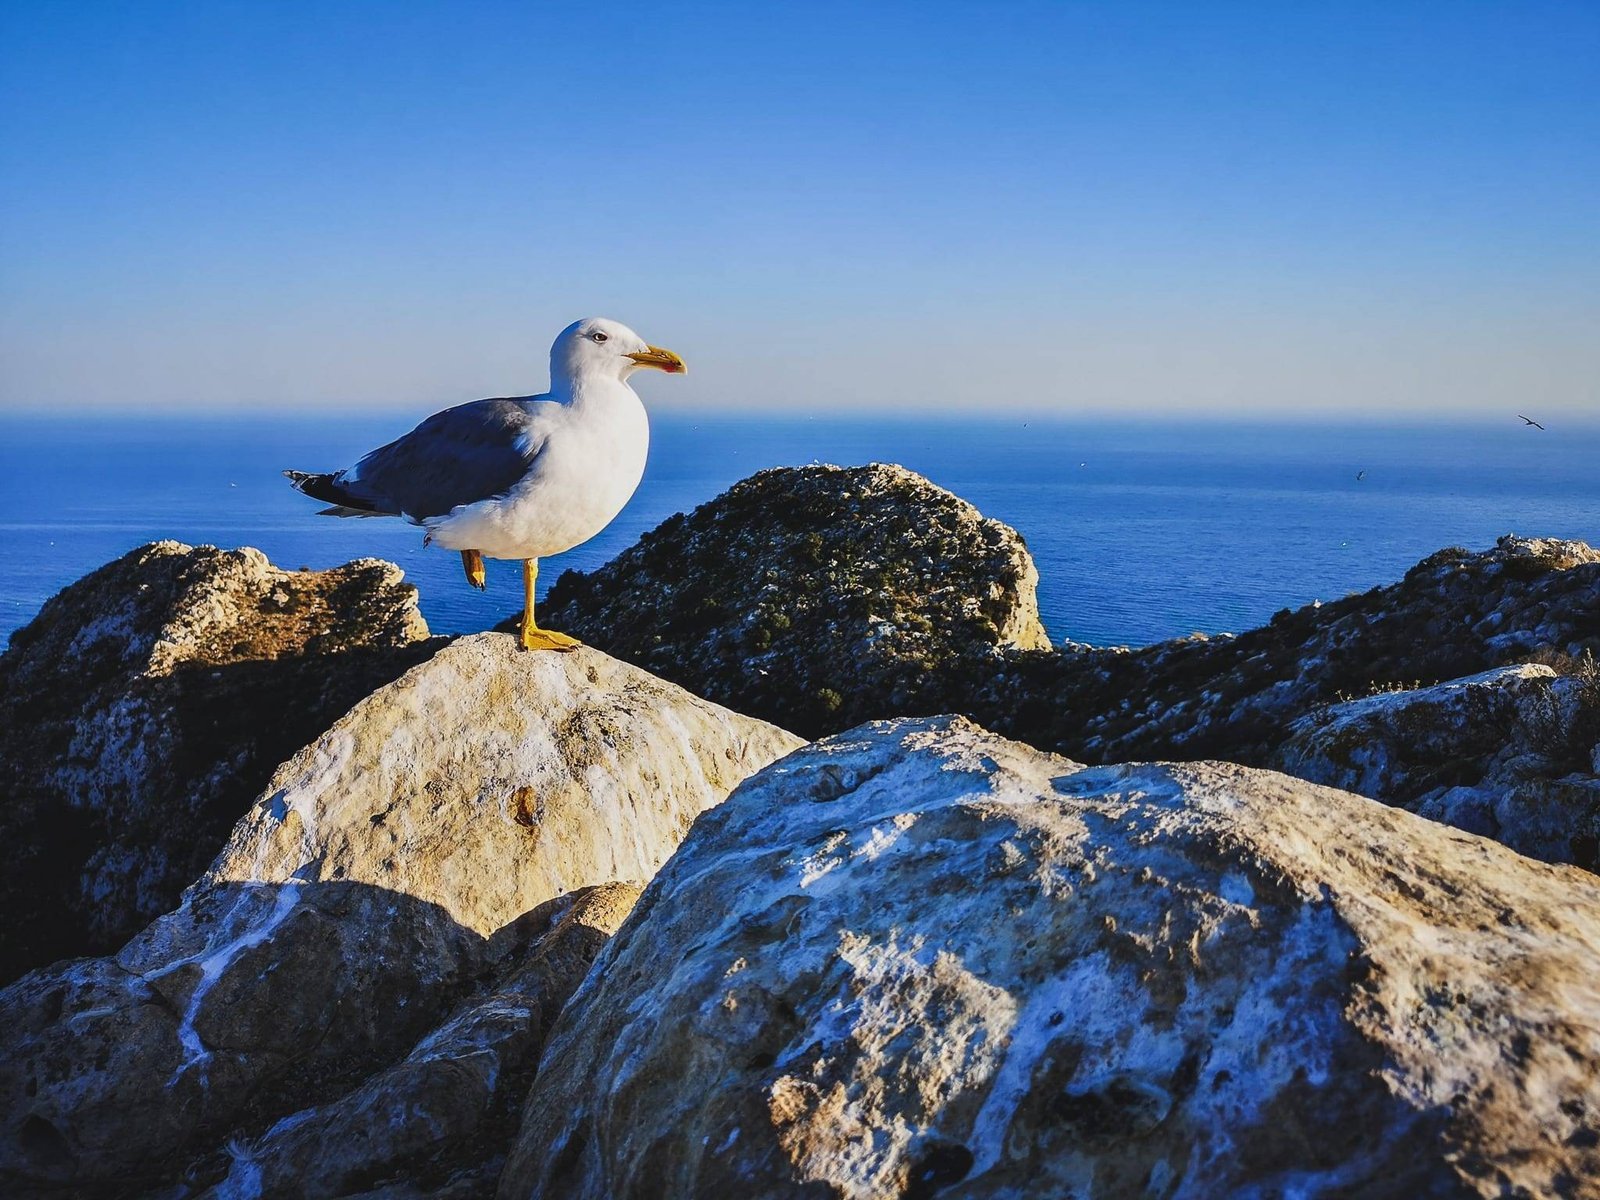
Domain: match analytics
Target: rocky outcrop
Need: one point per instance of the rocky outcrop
(1454, 614)
(819, 597)
(379, 882)
(814, 597)
(146, 705)
(446, 1113)
(491, 779)
(915, 959)
(919, 959)
(1508, 753)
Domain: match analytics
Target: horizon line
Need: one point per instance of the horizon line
(1387, 416)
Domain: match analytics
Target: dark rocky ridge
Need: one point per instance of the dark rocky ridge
(145, 705)
(1456, 613)
(826, 594)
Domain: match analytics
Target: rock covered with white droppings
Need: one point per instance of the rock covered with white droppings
(919, 959)
(378, 878)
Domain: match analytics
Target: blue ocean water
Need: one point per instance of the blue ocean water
(1142, 530)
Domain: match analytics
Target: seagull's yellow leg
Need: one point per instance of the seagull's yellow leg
(472, 564)
(534, 638)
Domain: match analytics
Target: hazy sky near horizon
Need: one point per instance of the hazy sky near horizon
(1256, 207)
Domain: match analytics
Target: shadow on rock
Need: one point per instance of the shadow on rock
(447, 1112)
(145, 706)
(304, 1039)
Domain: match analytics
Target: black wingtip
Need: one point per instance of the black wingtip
(326, 487)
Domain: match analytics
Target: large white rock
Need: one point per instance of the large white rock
(919, 957)
(489, 780)
(380, 875)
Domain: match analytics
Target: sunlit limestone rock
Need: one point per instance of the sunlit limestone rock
(376, 885)
(143, 709)
(918, 959)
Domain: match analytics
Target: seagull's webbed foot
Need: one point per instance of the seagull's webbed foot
(472, 564)
(534, 638)
(530, 635)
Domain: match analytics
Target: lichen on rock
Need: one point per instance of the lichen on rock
(812, 596)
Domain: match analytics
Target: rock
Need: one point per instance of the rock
(1503, 754)
(1395, 745)
(377, 882)
(819, 597)
(812, 596)
(459, 1090)
(245, 1003)
(1556, 820)
(1235, 697)
(146, 705)
(493, 779)
(919, 959)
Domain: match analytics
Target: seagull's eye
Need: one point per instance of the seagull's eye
(599, 337)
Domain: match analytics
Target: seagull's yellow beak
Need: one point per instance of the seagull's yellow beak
(661, 360)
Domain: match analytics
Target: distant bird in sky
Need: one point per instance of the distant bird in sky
(1360, 475)
(1530, 421)
(521, 477)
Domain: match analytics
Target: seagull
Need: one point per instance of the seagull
(1360, 475)
(519, 477)
(1530, 421)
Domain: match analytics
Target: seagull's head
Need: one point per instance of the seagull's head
(597, 348)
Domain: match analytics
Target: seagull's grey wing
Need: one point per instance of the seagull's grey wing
(459, 456)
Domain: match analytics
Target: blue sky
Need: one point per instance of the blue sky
(1198, 207)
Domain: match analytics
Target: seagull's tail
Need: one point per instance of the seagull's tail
(326, 487)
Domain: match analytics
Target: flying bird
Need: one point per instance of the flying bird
(1530, 421)
(1360, 475)
(520, 477)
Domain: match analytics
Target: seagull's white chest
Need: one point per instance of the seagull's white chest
(591, 457)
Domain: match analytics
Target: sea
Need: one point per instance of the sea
(1142, 529)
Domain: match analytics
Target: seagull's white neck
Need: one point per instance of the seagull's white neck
(591, 387)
